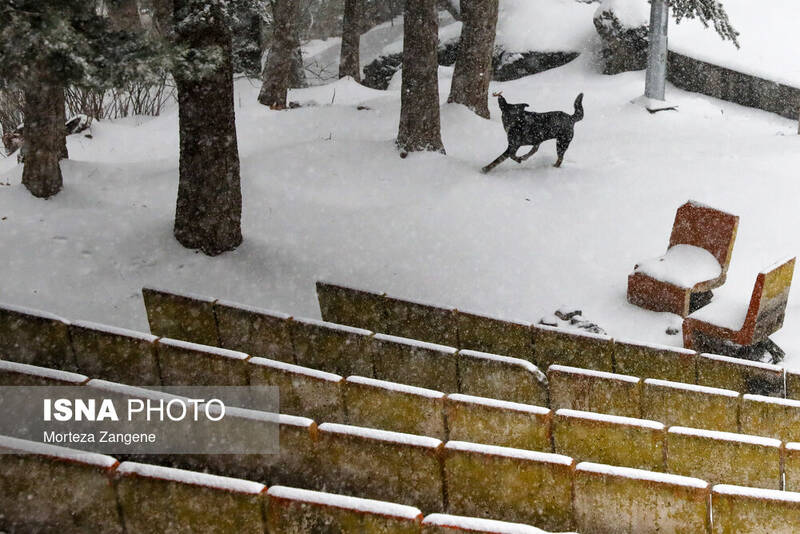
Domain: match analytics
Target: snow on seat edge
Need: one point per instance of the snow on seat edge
(682, 265)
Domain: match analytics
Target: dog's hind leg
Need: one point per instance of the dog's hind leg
(509, 153)
(529, 154)
(561, 148)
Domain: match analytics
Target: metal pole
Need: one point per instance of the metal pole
(656, 77)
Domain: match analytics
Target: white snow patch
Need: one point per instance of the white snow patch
(725, 311)
(381, 435)
(45, 449)
(416, 343)
(725, 436)
(508, 452)
(757, 493)
(613, 419)
(292, 368)
(501, 404)
(113, 330)
(44, 372)
(654, 346)
(640, 474)
(544, 25)
(130, 391)
(30, 311)
(682, 265)
(631, 14)
(333, 326)
(691, 387)
(591, 372)
(479, 525)
(525, 364)
(191, 477)
(394, 386)
(789, 403)
(208, 349)
(740, 361)
(369, 506)
(576, 333)
(266, 417)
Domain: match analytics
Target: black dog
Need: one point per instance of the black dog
(529, 128)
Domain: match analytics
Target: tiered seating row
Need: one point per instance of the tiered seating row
(134, 497)
(544, 345)
(719, 457)
(39, 495)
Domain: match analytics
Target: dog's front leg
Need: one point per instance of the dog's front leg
(509, 153)
(529, 154)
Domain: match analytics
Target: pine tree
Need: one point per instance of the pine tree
(349, 62)
(277, 73)
(707, 11)
(209, 206)
(473, 69)
(419, 96)
(46, 46)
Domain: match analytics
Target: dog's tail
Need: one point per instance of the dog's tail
(578, 115)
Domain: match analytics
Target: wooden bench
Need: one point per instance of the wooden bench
(696, 262)
(726, 327)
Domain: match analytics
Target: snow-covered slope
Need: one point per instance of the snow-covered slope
(326, 196)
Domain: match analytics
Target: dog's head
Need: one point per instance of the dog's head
(506, 108)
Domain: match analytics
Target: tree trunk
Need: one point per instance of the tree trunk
(473, 70)
(297, 75)
(124, 14)
(279, 63)
(419, 96)
(349, 62)
(209, 207)
(656, 76)
(44, 134)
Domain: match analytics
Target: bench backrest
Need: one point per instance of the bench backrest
(707, 228)
(768, 302)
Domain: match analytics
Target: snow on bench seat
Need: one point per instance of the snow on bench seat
(509, 484)
(180, 315)
(391, 406)
(345, 502)
(609, 439)
(594, 391)
(35, 337)
(501, 377)
(303, 391)
(379, 464)
(343, 304)
(611, 499)
(416, 363)
(115, 354)
(331, 347)
(690, 405)
(35, 478)
(771, 416)
(21, 374)
(184, 363)
(444, 523)
(682, 265)
(724, 457)
(154, 498)
(495, 335)
(738, 374)
(744, 509)
(649, 360)
(256, 331)
(556, 346)
(420, 320)
(496, 422)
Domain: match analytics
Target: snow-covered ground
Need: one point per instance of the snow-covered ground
(326, 196)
